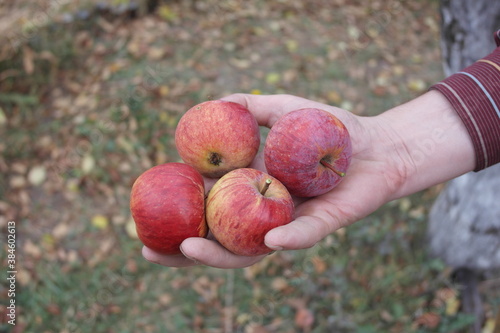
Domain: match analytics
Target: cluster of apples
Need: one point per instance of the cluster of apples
(306, 153)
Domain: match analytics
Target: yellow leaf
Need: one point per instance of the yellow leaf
(130, 229)
(166, 13)
(416, 85)
(48, 239)
(163, 90)
(37, 175)
(88, 164)
(273, 78)
(489, 326)
(452, 306)
(100, 222)
(334, 97)
(3, 117)
(256, 92)
(292, 45)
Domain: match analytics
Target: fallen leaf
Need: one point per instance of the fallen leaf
(88, 164)
(60, 231)
(304, 318)
(37, 175)
(489, 326)
(166, 13)
(31, 249)
(429, 319)
(319, 264)
(28, 60)
(3, 117)
(452, 306)
(273, 78)
(334, 97)
(416, 85)
(279, 284)
(100, 222)
(17, 182)
(23, 277)
(130, 229)
(292, 45)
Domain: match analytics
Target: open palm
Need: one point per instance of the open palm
(377, 170)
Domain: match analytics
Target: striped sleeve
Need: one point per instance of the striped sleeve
(474, 92)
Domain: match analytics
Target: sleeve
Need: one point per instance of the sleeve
(474, 92)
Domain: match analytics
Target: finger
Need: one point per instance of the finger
(213, 254)
(176, 260)
(302, 233)
(269, 108)
(266, 108)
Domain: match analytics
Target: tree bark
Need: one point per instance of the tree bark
(467, 28)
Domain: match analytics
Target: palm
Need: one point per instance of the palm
(369, 182)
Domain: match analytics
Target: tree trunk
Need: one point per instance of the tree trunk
(467, 29)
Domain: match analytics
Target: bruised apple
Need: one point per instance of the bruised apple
(309, 151)
(243, 206)
(167, 204)
(217, 136)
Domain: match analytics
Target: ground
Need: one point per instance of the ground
(89, 99)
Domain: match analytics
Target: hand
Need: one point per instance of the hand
(377, 171)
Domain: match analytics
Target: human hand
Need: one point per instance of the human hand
(376, 172)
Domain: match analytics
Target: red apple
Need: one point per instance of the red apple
(309, 151)
(217, 136)
(168, 205)
(243, 206)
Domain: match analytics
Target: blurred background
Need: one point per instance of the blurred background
(90, 94)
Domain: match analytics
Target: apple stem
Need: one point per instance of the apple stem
(266, 186)
(329, 166)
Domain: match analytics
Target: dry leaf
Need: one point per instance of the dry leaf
(3, 117)
(100, 222)
(28, 60)
(23, 277)
(130, 229)
(304, 319)
(429, 319)
(37, 175)
(279, 284)
(319, 264)
(88, 164)
(61, 230)
(273, 78)
(416, 85)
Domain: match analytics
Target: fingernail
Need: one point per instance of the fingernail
(275, 247)
(190, 258)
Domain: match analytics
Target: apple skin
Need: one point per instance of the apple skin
(298, 143)
(167, 203)
(217, 136)
(239, 216)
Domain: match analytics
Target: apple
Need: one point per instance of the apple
(243, 206)
(217, 136)
(309, 151)
(167, 203)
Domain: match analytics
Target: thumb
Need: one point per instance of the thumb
(304, 232)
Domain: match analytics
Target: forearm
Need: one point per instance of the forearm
(432, 140)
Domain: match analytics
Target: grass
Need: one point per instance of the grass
(105, 109)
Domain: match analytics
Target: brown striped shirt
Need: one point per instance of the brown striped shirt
(474, 92)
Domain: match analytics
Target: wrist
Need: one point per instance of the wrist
(431, 141)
